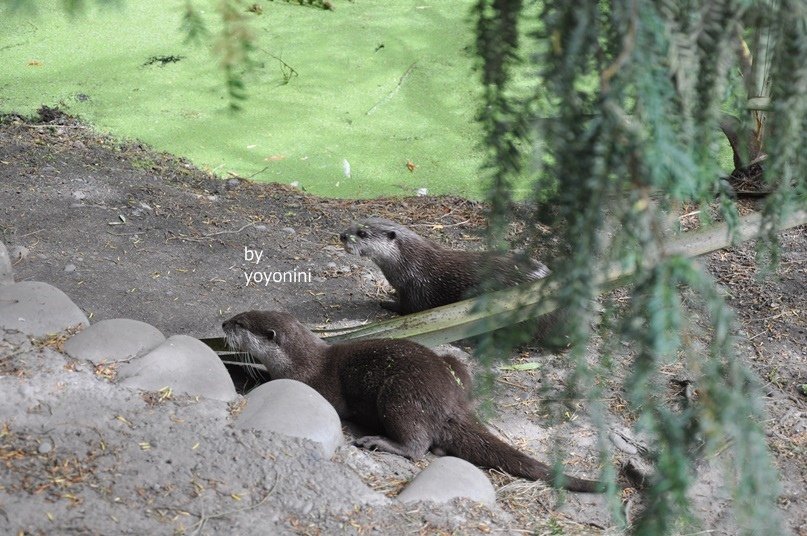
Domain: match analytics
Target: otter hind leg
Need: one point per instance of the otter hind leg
(412, 449)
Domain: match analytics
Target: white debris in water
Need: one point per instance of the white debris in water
(346, 168)
(422, 192)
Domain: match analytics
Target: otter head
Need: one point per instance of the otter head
(271, 337)
(375, 238)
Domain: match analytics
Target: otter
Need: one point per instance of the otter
(412, 398)
(426, 275)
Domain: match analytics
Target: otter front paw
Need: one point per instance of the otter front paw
(393, 306)
(382, 444)
(370, 442)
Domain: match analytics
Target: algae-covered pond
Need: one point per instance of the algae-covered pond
(386, 89)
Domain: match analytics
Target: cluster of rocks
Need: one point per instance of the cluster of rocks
(144, 359)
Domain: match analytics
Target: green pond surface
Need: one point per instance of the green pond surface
(378, 87)
(379, 84)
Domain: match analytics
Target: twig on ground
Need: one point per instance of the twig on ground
(204, 518)
(441, 225)
(204, 237)
(250, 224)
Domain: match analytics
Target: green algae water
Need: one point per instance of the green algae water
(382, 98)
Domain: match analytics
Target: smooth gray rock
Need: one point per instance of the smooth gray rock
(293, 408)
(6, 272)
(447, 478)
(38, 309)
(186, 365)
(114, 340)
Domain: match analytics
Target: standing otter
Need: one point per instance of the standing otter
(397, 388)
(427, 275)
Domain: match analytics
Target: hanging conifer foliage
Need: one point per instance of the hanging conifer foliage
(638, 93)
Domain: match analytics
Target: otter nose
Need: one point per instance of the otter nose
(343, 237)
(230, 323)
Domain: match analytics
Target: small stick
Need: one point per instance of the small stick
(392, 93)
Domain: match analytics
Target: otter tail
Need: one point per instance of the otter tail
(470, 440)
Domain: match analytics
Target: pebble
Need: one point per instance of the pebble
(18, 253)
(288, 230)
(45, 447)
(69, 268)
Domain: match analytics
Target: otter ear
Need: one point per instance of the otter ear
(391, 235)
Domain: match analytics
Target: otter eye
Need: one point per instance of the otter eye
(270, 334)
(391, 235)
(361, 234)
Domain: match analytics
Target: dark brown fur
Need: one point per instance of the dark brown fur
(414, 399)
(426, 275)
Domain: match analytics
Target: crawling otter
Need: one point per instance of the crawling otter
(426, 275)
(413, 398)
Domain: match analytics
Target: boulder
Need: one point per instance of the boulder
(38, 309)
(114, 340)
(186, 365)
(6, 272)
(447, 478)
(293, 408)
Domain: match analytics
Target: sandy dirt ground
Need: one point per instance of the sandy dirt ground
(126, 232)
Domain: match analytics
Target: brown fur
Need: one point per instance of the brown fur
(426, 275)
(412, 398)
